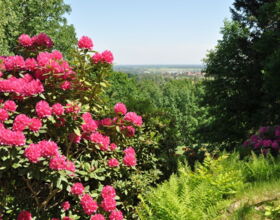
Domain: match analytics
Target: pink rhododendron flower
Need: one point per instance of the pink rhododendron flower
(129, 131)
(109, 204)
(35, 124)
(24, 215)
(33, 153)
(25, 86)
(60, 163)
(107, 56)
(113, 146)
(65, 85)
(57, 55)
(133, 118)
(89, 205)
(42, 40)
(85, 43)
(130, 157)
(113, 162)
(102, 141)
(120, 108)
(266, 143)
(48, 148)
(66, 218)
(116, 215)
(21, 122)
(129, 150)
(87, 117)
(104, 57)
(106, 122)
(50, 64)
(277, 131)
(3, 115)
(275, 145)
(77, 189)
(10, 138)
(108, 191)
(30, 64)
(25, 41)
(65, 205)
(89, 126)
(57, 109)
(14, 63)
(129, 160)
(43, 109)
(97, 217)
(10, 105)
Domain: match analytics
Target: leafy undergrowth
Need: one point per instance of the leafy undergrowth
(220, 188)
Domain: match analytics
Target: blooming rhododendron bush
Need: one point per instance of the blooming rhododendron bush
(266, 140)
(64, 155)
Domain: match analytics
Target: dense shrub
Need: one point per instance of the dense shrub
(62, 152)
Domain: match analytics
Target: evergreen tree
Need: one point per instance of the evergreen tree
(243, 87)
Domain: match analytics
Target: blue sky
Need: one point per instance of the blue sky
(151, 31)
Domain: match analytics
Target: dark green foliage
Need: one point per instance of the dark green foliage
(242, 89)
(33, 17)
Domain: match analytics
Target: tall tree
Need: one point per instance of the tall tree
(32, 17)
(243, 87)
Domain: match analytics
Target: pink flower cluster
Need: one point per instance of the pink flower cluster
(102, 141)
(120, 108)
(109, 203)
(89, 124)
(77, 189)
(40, 40)
(104, 57)
(22, 121)
(26, 86)
(43, 109)
(24, 215)
(65, 205)
(129, 157)
(89, 205)
(52, 64)
(10, 138)
(133, 118)
(113, 162)
(48, 149)
(265, 140)
(85, 43)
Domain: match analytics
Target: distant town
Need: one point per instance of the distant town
(165, 70)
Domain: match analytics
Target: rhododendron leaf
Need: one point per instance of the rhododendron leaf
(103, 84)
(77, 131)
(16, 165)
(87, 166)
(42, 96)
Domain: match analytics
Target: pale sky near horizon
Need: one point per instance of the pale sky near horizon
(151, 31)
